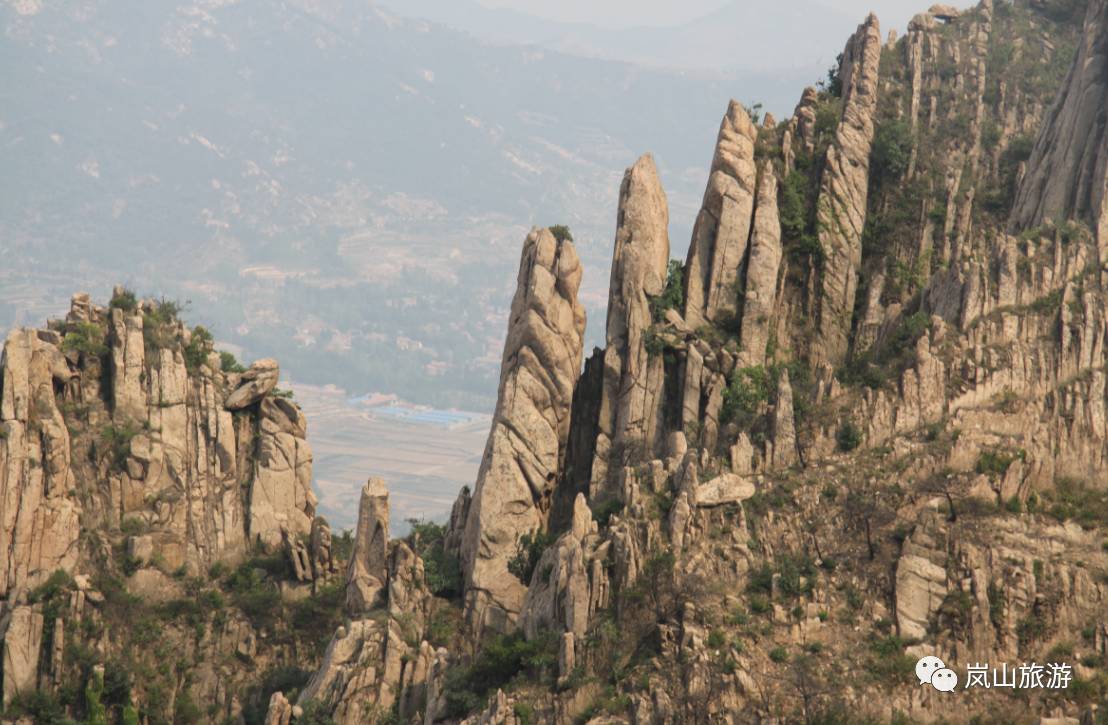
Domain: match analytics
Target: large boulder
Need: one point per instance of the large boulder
(254, 385)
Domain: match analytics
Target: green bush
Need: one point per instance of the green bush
(501, 660)
(794, 205)
(38, 705)
(124, 299)
(115, 442)
(253, 593)
(602, 512)
(892, 150)
(528, 552)
(86, 338)
(848, 437)
(887, 662)
(996, 462)
(199, 347)
(779, 654)
(673, 296)
(442, 571)
(561, 233)
(1074, 499)
(748, 390)
(228, 363)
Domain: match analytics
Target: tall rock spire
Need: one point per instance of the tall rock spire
(761, 271)
(632, 394)
(841, 208)
(526, 446)
(723, 225)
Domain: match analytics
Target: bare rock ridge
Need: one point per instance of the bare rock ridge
(526, 446)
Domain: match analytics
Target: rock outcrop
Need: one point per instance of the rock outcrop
(119, 458)
(40, 513)
(761, 272)
(377, 661)
(629, 421)
(722, 228)
(841, 206)
(527, 443)
(1067, 174)
(366, 575)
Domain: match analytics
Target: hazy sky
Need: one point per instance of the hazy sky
(624, 13)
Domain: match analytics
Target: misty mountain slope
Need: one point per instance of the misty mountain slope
(214, 151)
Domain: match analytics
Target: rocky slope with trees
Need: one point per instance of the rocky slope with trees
(862, 422)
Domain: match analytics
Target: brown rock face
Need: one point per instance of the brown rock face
(629, 423)
(22, 642)
(255, 383)
(39, 515)
(366, 574)
(281, 494)
(722, 227)
(841, 208)
(1067, 174)
(526, 446)
(761, 272)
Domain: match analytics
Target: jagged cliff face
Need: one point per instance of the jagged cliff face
(132, 462)
(863, 422)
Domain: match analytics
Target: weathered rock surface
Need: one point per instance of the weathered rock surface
(366, 575)
(370, 667)
(722, 227)
(39, 513)
(841, 207)
(526, 446)
(255, 384)
(629, 422)
(761, 272)
(22, 642)
(1067, 174)
(281, 493)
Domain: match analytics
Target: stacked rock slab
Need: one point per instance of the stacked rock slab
(630, 418)
(526, 446)
(722, 227)
(841, 206)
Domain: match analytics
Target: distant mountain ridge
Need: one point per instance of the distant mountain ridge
(738, 37)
